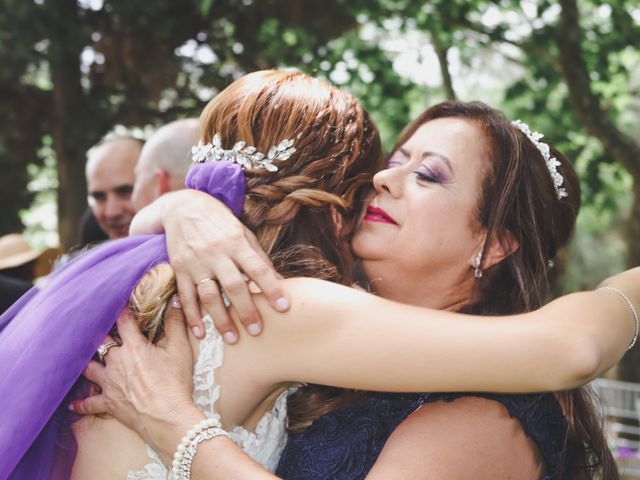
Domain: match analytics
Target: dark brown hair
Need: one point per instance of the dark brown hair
(519, 203)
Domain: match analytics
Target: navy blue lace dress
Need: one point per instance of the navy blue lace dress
(345, 444)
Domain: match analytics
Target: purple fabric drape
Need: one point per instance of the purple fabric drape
(49, 336)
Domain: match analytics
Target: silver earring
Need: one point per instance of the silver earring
(478, 261)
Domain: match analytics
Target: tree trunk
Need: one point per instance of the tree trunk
(70, 118)
(441, 53)
(586, 104)
(619, 146)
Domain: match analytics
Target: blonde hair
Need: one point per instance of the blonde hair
(150, 299)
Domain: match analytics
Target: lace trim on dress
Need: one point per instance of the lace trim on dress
(265, 445)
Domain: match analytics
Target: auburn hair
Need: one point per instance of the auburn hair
(518, 201)
(292, 211)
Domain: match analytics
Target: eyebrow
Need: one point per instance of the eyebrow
(440, 156)
(120, 190)
(426, 154)
(123, 189)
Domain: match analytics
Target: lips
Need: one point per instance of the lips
(375, 214)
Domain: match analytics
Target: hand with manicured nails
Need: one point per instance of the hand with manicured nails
(143, 384)
(206, 241)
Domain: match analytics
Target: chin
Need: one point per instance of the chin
(365, 247)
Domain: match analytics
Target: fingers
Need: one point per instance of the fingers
(94, 372)
(129, 330)
(213, 305)
(236, 288)
(257, 266)
(189, 302)
(174, 327)
(90, 405)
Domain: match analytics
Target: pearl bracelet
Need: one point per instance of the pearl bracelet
(634, 312)
(183, 458)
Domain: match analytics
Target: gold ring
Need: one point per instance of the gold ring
(204, 280)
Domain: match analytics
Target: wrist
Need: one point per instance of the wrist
(187, 448)
(164, 434)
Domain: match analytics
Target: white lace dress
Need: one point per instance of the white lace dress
(265, 445)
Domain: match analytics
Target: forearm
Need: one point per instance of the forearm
(149, 219)
(583, 335)
(154, 217)
(365, 342)
(216, 458)
(598, 326)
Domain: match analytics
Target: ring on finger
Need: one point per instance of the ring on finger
(104, 349)
(204, 280)
(225, 299)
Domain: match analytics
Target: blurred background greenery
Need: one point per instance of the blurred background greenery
(73, 70)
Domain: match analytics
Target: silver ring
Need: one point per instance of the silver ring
(204, 280)
(104, 349)
(225, 299)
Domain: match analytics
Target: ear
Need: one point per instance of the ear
(338, 221)
(163, 181)
(501, 247)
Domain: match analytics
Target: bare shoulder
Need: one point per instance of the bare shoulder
(470, 437)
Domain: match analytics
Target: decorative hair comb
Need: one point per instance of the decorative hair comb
(245, 156)
(552, 162)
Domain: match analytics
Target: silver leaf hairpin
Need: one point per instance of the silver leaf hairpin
(245, 156)
(552, 162)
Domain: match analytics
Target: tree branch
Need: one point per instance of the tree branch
(441, 53)
(495, 35)
(586, 104)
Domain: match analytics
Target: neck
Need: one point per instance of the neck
(442, 290)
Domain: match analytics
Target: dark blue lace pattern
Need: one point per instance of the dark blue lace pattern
(345, 444)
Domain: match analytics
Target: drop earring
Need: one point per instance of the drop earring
(478, 261)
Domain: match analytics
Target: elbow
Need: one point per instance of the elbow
(584, 363)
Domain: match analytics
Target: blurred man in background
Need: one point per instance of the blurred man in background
(110, 178)
(164, 161)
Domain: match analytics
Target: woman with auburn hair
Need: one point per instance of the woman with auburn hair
(247, 392)
(466, 217)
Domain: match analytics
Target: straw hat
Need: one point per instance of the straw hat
(16, 251)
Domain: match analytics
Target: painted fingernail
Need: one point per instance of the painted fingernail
(254, 329)
(254, 288)
(230, 337)
(197, 331)
(282, 304)
(175, 301)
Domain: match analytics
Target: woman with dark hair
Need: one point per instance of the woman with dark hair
(466, 217)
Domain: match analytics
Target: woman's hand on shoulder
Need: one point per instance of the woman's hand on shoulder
(212, 251)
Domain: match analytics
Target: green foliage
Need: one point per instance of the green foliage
(74, 69)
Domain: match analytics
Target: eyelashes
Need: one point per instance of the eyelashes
(423, 173)
(427, 176)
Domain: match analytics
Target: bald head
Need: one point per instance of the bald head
(110, 177)
(164, 161)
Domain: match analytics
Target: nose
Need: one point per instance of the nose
(389, 180)
(114, 207)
